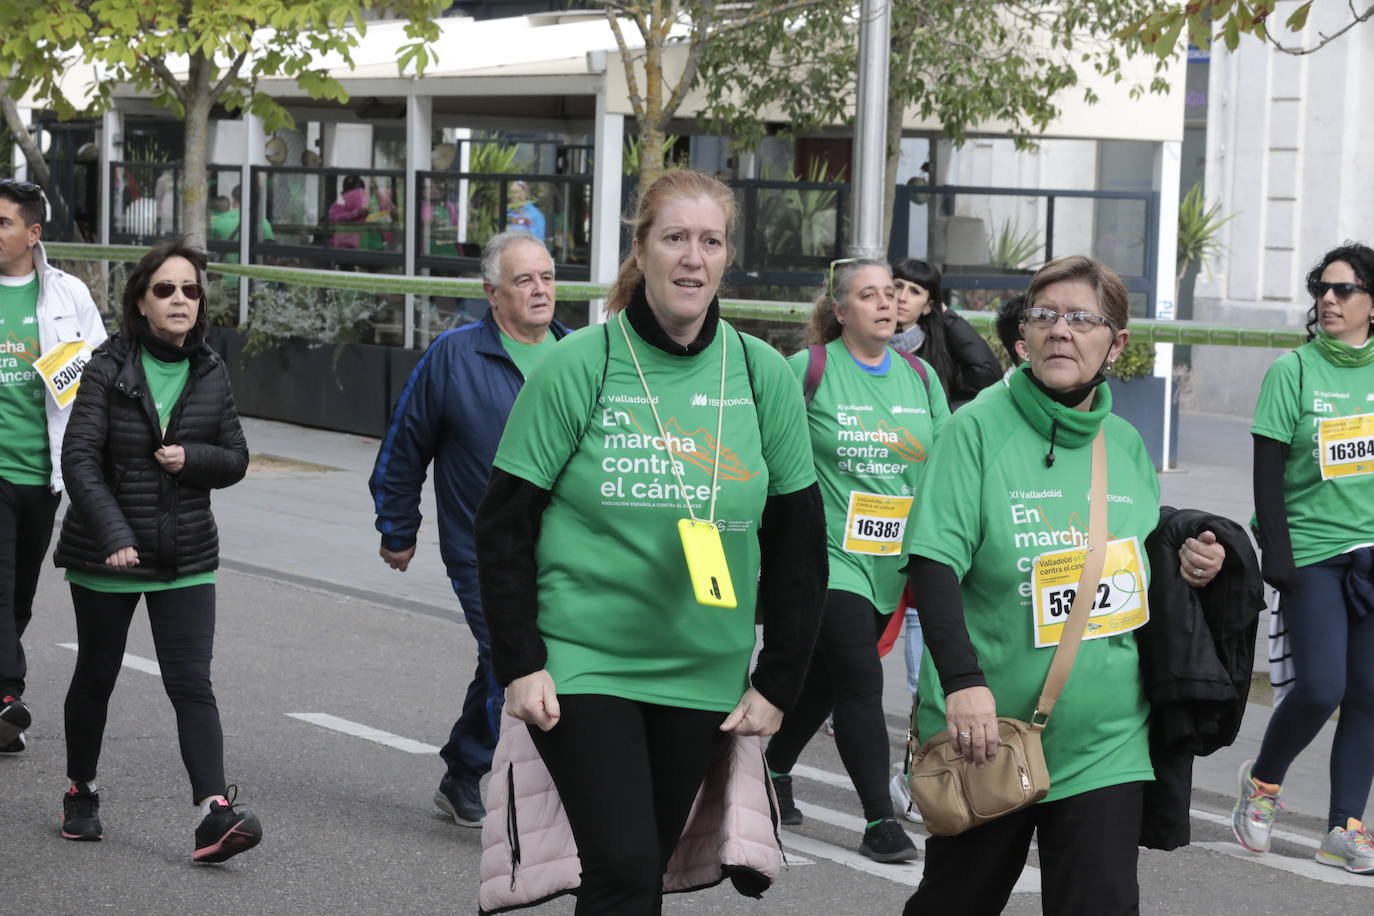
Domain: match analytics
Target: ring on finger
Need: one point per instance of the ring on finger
(964, 735)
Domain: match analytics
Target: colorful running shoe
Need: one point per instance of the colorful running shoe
(226, 831)
(1252, 819)
(81, 815)
(1351, 849)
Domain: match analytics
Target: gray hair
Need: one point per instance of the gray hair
(491, 254)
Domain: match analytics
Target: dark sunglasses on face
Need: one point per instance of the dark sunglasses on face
(1343, 291)
(166, 288)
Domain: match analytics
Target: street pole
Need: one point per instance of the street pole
(870, 131)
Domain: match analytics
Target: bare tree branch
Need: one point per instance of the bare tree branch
(631, 81)
(167, 78)
(229, 75)
(700, 31)
(1356, 18)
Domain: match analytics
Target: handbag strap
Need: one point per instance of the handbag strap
(1083, 599)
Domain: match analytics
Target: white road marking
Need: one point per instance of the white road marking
(1307, 868)
(324, 720)
(136, 662)
(1224, 820)
(907, 873)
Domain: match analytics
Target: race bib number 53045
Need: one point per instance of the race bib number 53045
(1119, 604)
(61, 370)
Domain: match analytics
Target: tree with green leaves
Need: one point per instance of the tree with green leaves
(220, 50)
(960, 63)
(1206, 21)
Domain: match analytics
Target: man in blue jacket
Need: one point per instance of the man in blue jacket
(452, 412)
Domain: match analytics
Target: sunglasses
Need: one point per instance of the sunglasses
(23, 188)
(1343, 291)
(830, 281)
(166, 288)
(1079, 322)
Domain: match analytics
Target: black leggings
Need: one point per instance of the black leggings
(183, 625)
(26, 514)
(846, 677)
(627, 773)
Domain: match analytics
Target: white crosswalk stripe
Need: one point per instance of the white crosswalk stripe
(136, 662)
(334, 723)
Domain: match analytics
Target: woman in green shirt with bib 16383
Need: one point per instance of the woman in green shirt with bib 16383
(998, 543)
(873, 417)
(153, 431)
(652, 489)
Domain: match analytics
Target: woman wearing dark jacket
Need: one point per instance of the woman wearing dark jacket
(939, 335)
(153, 430)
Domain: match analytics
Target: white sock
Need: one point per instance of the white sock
(204, 807)
(90, 786)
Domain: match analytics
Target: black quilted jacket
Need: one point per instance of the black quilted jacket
(120, 496)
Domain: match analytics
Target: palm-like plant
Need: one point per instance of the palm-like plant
(1199, 233)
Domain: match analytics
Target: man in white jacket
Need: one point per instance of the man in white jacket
(48, 327)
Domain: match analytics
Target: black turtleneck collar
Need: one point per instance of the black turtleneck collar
(161, 349)
(642, 319)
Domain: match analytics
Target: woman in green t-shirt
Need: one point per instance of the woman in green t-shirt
(153, 431)
(873, 419)
(1314, 510)
(664, 417)
(1007, 491)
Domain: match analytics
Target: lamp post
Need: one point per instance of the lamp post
(870, 130)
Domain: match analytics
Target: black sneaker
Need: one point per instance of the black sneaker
(461, 799)
(14, 718)
(16, 746)
(787, 809)
(81, 815)
(226, 831)
(886, 841)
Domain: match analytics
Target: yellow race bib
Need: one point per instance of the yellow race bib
(875, 524)
(61, 367)
(1119, 606)
(1345, 446)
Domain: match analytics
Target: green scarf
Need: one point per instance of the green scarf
(1058, 424)
(1342, 355)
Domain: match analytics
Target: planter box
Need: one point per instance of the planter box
(1141, 402)
(349, 388)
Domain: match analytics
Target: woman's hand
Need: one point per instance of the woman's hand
(972, 717)
(753, 715)
(123, 558)
(1200, 559)
(533, 699)
(172, 458)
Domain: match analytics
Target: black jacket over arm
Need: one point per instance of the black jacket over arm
(1196, 657)
(120, 495)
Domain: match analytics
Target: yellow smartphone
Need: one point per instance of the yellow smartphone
(706, 563)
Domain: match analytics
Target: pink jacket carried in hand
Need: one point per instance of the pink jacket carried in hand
(528, 852)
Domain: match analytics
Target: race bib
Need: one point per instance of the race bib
(1345, 446)
(1119, 606)
(875, 523)
(61, 369)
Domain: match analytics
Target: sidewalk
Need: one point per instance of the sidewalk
(315, 525)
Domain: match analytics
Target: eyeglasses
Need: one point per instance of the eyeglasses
(1079, 322)
(830, 282)
(1343, 291)
(26, 189)
(166, 288)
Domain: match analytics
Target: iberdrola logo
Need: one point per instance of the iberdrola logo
(699, 399)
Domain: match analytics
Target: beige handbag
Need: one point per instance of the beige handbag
(952, 794)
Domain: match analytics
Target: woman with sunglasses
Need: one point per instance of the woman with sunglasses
(1314, 510)
(153, 430)
(873, 419)
(1004, 507)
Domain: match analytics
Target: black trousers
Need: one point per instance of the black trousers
(26, 517)
(1088, 859)
(183, 625)
(846, 677)
(627, 773)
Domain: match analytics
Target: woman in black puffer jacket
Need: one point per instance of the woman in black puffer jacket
(152, 431)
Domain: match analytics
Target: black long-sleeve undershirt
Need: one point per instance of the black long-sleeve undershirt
(940, 605)
(1271, 514)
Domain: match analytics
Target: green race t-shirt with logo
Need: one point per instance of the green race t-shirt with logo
(528, 357)
(166, 382)
(1325, 517)
(871, 436)
(989, 507)
(616, 608)
(24, 458)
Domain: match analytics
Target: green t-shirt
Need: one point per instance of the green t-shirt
(1325, 517)
(871, 435)
(24, 457)
(989, 506)
(616, 608)
(528, 357)
(166, 382)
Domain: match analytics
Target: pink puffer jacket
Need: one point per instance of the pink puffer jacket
(528, 853)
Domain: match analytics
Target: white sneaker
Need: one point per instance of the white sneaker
(901, 799)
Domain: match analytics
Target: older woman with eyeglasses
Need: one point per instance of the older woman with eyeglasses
(153, 431)
(1005, 494)
(873, 416)
(1314, 509)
